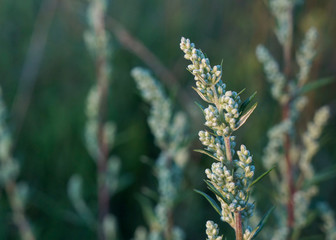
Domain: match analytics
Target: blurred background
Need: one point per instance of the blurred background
(47, 71)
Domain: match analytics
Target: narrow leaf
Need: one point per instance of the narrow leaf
(261, 177)
(316, 84)
(243, 118)
(206, 153)
(147, 210)
(200, 106)
(201, 95)
(320, 177)
(215, 191)
(246, 102)
(241, 91)
(211, 201)
(262, 222)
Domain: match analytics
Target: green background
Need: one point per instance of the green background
(50, 145)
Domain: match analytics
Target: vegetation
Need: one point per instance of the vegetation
(68, 98)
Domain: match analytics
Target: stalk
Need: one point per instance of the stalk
(238, 226)
(287, 56)
(97, 41)
(103, 193)
(237, 214)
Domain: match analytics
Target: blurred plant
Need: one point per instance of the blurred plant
(295, 179)
(328, 217)
(169, 130)
(17, 193)
(230, 179)
(99, 133)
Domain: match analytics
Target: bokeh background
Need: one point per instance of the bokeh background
(45, 63)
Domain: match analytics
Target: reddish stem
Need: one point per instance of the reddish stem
(103, 84)
(238, 226)
(289, 167)
(287, 57)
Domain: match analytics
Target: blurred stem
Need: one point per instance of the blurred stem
(135, 46)
(18, 210)
(287, 56)
(169, 228)
(290, 180)
(170, 215)
(140, 50)
(103, 85)
(32, 62)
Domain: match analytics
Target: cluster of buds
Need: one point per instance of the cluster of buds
(223, 114)
(212, 231)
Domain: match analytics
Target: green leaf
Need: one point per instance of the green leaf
(211, 201)
(320, 177)
(241, 91)
(200, 106)
(215, 191)
(316, 84)
(147, 210)
(243, 118)
(206, 153)
(201, 95)
(246, 102)
(261, 177)
(262, 222)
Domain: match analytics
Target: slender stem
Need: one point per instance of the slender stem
(103, 84)
(237, 215)
(228, 148)
(170, 215)
(290, 180)
(169, 228)
(287, 56)
(287, 49)
(238, 226)
(32, 63)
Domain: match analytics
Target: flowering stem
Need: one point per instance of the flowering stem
(237, 214)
